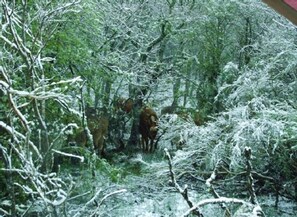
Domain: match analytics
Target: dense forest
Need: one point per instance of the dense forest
(147, 108)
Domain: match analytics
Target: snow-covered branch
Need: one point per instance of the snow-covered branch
(213, 201)
(183, 192)
(250, 179)
(209, 184)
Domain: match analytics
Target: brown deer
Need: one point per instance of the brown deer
(148, 128)
(98, 125)
(125, 105)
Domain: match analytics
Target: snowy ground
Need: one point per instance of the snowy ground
(149, 195)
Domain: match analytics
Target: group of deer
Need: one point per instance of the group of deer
(98, 125)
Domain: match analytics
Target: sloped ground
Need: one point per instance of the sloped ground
(139, 186)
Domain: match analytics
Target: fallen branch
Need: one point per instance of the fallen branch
(213, 191)
(183, 192)
(213, 201)
(105, 197)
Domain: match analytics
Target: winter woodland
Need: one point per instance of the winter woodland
(219, 76)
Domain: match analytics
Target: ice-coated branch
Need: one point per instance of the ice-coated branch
(24, 38)
(95, 213)
(69, 155)
(59, 10)
(17, 43)
(19, 137)
(213, 201)
(38, 93)
(84, 116)
(3, 212)
(93, 200)
(250, 180)
(6, 85)
(213, 191)
(62, 131)
(183, 192)
(46, 187)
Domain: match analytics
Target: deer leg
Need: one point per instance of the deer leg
(151, 146)
(146, 144)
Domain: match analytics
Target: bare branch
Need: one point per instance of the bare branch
(213, 201)
(183, 192)
(105, 197)
(250, 180)
(213, 191)
(69, 155)
(17, 136)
